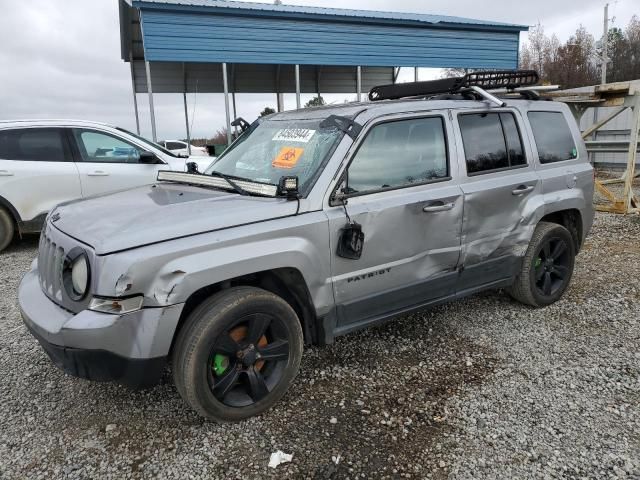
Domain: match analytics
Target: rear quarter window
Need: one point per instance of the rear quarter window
(552, 136)
(33, 144)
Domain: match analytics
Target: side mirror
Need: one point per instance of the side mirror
(149, 158)
(351, 241)
(192, 167)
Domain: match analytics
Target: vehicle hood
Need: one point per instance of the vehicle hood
(155, 213)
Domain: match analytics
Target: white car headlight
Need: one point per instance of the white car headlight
(116, 305)
(80, 275)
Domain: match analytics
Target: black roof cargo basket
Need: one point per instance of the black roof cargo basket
(486, 80)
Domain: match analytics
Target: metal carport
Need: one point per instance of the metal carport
(220, 46)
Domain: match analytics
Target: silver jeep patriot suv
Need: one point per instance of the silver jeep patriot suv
(314, 223)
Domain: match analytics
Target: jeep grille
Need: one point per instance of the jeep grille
(50, 262)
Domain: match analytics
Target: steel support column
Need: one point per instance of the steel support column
(135, 99)
(235, 112)
(415, 74)
(151, 110)
(186, 113)
(225, 83)
(396, 72)
(359, 82)
(298, 87)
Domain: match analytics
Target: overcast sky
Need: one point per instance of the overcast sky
(61, 58)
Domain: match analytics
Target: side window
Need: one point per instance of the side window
(34, 144)
(553, 137)
(102, 147)
(491, 142)
(400, 153)
(176, 145)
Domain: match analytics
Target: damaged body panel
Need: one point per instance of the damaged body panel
(392, 206)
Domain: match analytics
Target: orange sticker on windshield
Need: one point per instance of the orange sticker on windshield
(287, 157)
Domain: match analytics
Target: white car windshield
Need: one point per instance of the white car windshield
(278, 148)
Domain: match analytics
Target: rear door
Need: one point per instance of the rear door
(501, 193)
(107, 162)
(400, 188)
(36, 171)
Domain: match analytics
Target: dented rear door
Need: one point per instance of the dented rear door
(502, 195)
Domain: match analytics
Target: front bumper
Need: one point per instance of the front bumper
(130, 349)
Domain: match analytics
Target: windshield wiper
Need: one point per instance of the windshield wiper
(233, 184)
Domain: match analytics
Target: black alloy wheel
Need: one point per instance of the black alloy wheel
(248, 360)
(237, 353)
(547, 266)
(552, 266)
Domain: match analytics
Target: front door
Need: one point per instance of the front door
(399, 188)
(108, 163)
(502, 193)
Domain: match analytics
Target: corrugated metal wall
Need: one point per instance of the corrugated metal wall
(174, 35)
(168, 77)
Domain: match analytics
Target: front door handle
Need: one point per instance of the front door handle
(522, 189)
(98, 173)
(440, 207)
(6, 173)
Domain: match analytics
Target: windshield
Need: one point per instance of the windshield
(279, 148)
(154, 145)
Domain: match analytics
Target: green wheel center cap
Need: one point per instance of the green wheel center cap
(220, 364)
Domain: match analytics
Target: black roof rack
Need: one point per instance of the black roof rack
(486, 80)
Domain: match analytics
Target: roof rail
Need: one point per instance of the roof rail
(486, 80)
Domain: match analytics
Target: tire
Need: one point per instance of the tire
(237, 354)
(547, 266)
(7, 229)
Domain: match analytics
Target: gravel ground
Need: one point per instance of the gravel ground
(483, 388)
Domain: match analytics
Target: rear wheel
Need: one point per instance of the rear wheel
(7, 229)
(547, 266)
(237, 354)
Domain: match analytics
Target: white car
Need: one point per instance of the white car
(47, 162)
(180, 148)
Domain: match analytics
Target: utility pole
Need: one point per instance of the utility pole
(605, 44)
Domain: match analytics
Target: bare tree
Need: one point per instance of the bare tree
(570, 64)
(624, 52)
(220, 137)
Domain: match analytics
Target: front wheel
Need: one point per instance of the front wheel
(547, 266)
(237, 354)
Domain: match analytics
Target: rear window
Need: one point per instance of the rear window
(491, 142)
(33, 144)
(553, 137)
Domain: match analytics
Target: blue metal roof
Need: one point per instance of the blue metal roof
(353, 15)
(216, 31)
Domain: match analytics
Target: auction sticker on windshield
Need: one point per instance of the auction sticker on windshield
(287, 157)
(294, 135)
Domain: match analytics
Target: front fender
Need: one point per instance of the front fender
(169, 272)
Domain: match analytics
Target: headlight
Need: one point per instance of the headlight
(76, 274)
(116, 305)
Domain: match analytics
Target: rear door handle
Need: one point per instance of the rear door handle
(98, 173)
(522, 189)
(441, 207)
(6, 173)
